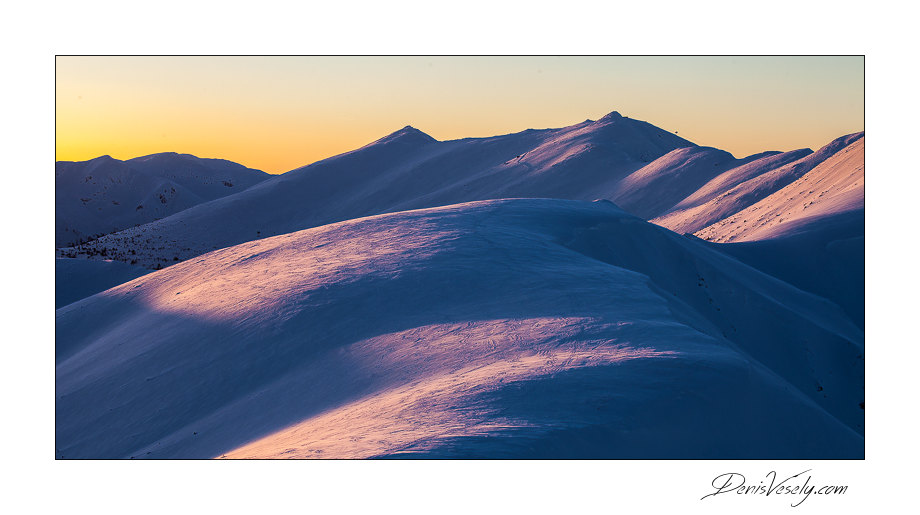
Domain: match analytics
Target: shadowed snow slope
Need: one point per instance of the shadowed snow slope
(75, 279)
(520, 328)
(103, 195)
(406, 170)
(207, 178)
(825, 256)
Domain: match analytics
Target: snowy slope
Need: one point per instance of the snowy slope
(406, 170)
(207, 178)
(722, 196)
(741, 188)
(103, 195)
(825, 257)
(833, 187)
(754, 166)
(75, 279)
(661, 184)
(513, 328)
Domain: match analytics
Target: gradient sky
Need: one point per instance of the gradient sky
(280, 113)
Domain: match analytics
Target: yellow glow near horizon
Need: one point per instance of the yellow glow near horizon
(280, 113)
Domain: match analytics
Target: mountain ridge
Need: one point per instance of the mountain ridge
(447, 323)
(104, 194)
(408, 169)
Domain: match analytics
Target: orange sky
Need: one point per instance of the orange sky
(279, 113)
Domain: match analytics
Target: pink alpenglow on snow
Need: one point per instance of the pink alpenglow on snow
(603, 290)
(498, 329)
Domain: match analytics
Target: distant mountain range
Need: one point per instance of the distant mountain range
(103, 195)
(643, 169)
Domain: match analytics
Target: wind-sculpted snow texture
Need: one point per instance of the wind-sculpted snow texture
(521, 328)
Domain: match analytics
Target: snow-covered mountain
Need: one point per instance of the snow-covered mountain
(207, 178)
(738, 189)
(506, 328)
(660, 185)
(405, 170)
(645, 170)
(810, 233)
(727, 193)
(686, 189)
(834, 186)
(103, 195)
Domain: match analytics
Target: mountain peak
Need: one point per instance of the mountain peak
(407, 134)
(613, 115)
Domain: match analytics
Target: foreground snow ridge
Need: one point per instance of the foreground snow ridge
(515, 328)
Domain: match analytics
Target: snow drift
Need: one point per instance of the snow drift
(515, 328)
